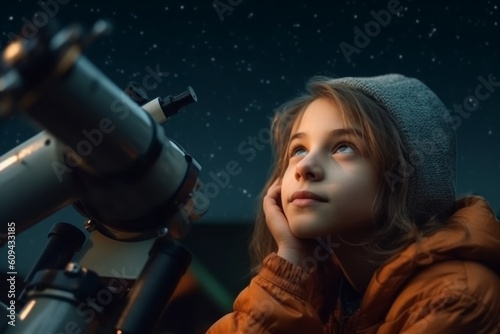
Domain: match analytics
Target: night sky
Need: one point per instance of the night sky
(245, 59)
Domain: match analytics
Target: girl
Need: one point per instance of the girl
(359, 229)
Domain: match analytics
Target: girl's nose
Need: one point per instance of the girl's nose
(309, 168)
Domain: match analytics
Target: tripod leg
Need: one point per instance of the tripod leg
(168, 261)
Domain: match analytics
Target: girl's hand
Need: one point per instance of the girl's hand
(290, 247)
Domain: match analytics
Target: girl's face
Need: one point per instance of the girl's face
(329, 185)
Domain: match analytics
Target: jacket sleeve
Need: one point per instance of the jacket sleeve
(280, 299)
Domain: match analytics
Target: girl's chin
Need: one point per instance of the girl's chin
(309, 231)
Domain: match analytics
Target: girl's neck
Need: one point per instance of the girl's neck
(356, 264)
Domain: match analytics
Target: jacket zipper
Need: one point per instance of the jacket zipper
(341, 325)
(349, 324)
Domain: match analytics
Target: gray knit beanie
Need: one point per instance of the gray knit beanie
(428, 139)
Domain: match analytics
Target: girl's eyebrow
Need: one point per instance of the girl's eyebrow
(333, 133)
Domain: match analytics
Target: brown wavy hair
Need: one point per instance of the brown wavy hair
(395, 228)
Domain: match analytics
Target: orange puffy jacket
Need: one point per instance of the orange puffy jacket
(450, 283)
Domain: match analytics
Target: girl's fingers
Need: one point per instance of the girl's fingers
(272, 197)
(275, 217)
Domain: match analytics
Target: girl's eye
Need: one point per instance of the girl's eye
(345, 148)
(297, 150)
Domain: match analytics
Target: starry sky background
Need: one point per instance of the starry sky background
(258, 55)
